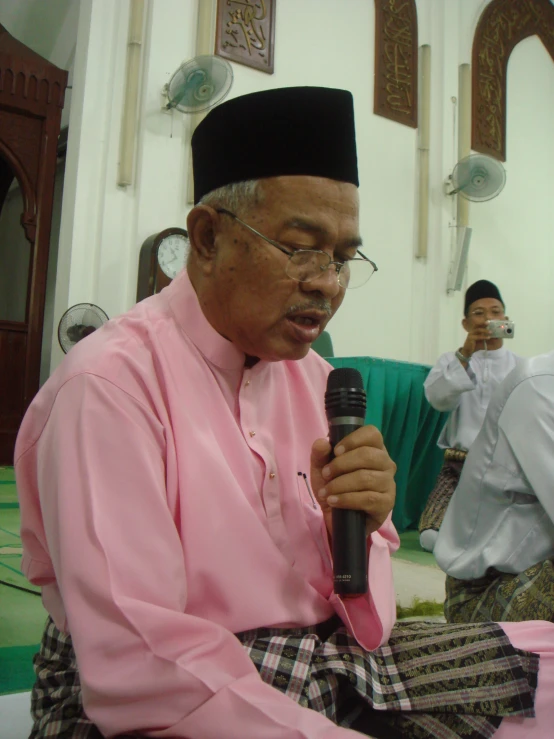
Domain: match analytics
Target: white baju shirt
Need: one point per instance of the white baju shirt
(502, 512)
(466, 393)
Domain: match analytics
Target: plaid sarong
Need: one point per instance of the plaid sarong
(437, 681)
(431, 681)
(499, 596)
(439, 498)
(56, 703)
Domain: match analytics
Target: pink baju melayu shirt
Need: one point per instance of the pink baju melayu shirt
(164, 509)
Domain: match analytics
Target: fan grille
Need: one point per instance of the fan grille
(199, 84)
(78, 322)
(478, 178)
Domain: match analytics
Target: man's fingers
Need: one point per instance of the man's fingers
(321, 449)
(480, 332)
(364, 459)
(365, 436)
(375, 505)
(359, 481)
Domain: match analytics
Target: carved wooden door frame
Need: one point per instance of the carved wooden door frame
(31, 101)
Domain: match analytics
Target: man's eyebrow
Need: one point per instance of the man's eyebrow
(304, 225)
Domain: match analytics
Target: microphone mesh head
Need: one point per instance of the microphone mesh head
(346, 377)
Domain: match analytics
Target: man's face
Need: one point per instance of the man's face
(246, 294)
(482, 311)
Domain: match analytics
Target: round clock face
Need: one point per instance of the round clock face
(171, 254)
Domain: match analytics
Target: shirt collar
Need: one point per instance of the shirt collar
(184, 305)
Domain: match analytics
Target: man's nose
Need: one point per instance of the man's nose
(327, 283)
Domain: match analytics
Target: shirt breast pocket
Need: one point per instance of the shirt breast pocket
(313, 516)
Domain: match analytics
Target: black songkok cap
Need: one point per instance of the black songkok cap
(481, 289)
(288, 131)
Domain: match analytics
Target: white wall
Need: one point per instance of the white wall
(404, 312)
(514, 234)
(50, 322)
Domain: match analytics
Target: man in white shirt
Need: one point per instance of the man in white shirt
(496, 543)
(462, 382)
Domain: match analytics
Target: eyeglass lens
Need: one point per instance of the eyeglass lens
(305, 266)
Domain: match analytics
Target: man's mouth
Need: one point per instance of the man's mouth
(306, 320)
(307, 325)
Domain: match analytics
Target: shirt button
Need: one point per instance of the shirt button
(271, 475)
(247, 383)
(252, 433)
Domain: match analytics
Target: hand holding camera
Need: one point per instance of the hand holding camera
(478, 336)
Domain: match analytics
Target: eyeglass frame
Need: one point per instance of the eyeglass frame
(484, 312)
(290, 254)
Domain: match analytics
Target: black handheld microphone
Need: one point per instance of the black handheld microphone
(345, 404)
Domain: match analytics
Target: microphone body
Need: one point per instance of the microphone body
(345, 404)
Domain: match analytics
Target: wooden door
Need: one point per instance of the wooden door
(31, 100)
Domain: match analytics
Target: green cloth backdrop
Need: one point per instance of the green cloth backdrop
(397, 405)
(323, 345)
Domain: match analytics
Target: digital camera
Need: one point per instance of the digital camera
(501, 329)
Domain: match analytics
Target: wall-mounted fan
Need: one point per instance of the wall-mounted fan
(199, 84)
(78, 322)
(477, 178)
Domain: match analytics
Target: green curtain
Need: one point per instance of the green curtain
(323, 345)
(397, 405)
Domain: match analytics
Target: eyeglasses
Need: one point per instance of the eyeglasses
(481, 313)
(306, 265)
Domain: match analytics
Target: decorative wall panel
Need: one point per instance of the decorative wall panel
(246, 32)
(395, 95)
(503, 24)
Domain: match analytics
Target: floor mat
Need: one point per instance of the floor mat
(22, 615)
(411, 550)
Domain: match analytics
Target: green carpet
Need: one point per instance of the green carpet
(16, 669)
(412, 552)
(22, 615)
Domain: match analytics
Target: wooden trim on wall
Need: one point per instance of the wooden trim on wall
(396, 61)
(502, 25)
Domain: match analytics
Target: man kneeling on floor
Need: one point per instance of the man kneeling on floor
(496, 543)
(176, 487)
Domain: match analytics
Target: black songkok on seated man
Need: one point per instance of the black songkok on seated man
(479, 290)
(287, 131)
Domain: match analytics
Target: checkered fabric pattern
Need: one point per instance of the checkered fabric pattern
(439, 498)
(431, 681)
(56, 703)
(499, 596)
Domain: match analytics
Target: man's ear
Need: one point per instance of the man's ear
(465, 323)
(201, 231)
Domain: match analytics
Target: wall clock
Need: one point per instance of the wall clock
(162, 257)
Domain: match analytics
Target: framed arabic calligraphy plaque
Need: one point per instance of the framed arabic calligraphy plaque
(502, 25)
(395, 94)
(246, 32)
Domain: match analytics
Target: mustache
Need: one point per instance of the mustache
(320, 305)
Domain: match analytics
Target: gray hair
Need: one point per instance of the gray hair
(236, 197)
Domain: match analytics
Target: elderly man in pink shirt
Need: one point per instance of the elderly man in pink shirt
(176, 487)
